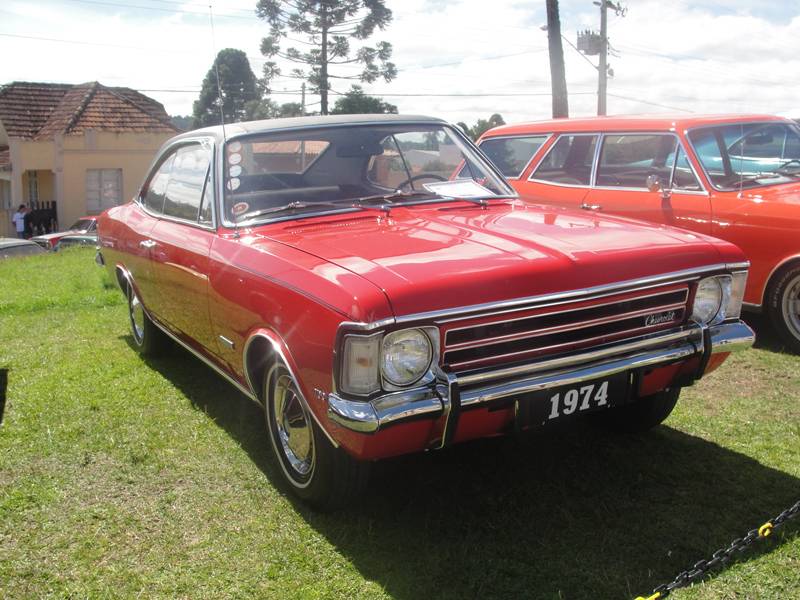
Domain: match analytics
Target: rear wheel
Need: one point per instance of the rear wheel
(148, 339)
(324, 476)
(783, 306)
(642, 414)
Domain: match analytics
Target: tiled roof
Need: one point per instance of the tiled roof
(39, 110)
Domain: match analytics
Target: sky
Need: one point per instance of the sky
(457, 59)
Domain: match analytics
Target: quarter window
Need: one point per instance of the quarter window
(187, 179)
(684, 178)
(628, 160)
(512, 155)
(569, 161)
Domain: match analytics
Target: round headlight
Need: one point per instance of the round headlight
(405, 356)
(707, 300)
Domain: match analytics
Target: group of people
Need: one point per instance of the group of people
(29, 222)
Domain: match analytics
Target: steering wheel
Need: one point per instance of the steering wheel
(414, 178)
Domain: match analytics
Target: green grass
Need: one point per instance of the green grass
(121, 477)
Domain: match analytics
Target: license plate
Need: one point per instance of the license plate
(559, 403)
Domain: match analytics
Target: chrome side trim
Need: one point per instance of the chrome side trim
(691, 333)
(282, 356)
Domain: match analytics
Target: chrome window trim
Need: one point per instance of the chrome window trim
(547, 137)
(493, 308)
(550, 149)
(162, 155)
(224, 222)
(596, 164)
(686, 132)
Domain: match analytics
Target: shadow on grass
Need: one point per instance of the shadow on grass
(766, 336)
(572, 514)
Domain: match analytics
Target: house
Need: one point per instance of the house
(76, 148)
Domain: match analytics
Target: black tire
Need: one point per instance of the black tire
(643, 414)
(325, 477)
(783, 305)
(148, 339)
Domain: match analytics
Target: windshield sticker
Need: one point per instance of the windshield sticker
(234, 147)
(462, 188)
(235, 171)
(233, 184)
(234, 159)
(240, 208)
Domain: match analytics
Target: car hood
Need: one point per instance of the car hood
(58, 235)
(433, 257)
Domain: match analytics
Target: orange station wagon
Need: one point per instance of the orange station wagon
(736, 177)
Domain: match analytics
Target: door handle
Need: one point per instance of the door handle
(585, 206)
(147, 244)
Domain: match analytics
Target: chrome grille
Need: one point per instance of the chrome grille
(525, 333)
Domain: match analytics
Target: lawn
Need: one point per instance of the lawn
(123, 477)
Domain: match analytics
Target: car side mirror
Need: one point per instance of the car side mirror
(653, 184)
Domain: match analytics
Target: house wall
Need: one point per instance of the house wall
(131, 152)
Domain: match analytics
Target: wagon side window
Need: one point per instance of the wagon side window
(153, 195)
(569, 161)
(512, 155)
(626, 161)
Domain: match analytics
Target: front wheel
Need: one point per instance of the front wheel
(643, 414)
(324, 476)
(784, 306)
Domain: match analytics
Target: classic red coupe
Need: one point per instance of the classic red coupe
(376, 285)
(83, 226)
(736, 177)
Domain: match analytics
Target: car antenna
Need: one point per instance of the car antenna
(219, 100)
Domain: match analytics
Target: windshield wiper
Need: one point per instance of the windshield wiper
(291, 207)
(391, 198)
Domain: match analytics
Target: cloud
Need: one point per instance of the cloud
(701, 56)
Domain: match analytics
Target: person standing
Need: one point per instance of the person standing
(19, 221)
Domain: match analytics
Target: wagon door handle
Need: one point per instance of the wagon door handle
(147, 244)
(586, 206)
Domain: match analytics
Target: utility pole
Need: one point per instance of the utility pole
(558, 77)
(602, 80)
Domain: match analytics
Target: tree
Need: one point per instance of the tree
(482, 126)
(268, 109)
(357, 102)
(326, 26)
(240, 91)
(558, 76)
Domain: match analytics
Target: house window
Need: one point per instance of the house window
(33, 188)
(5, 194)
(103, 189)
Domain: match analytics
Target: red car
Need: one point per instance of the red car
(83, 226)
(335, 271)
(734, 177)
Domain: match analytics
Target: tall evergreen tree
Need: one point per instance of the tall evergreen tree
(326, 28)
(240, 90)
(356, 102)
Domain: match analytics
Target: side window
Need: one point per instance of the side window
(512, 155)
(186, 182)
(157, 186)
(569, 161)
(628, 160)
(683, 177)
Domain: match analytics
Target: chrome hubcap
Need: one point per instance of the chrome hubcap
(293, 426)
(791, 306)
(137, 317)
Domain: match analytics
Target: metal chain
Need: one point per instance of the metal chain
(723, 555)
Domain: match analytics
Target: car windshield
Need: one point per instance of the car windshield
(745, 155)
(347, 168)
(82, 225)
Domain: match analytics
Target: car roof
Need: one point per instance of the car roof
(664, 122)
(235, 130)
(10, 242)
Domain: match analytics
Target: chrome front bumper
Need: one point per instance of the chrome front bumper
(454, 392)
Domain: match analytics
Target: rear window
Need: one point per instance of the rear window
(512, 155)
(569, 161)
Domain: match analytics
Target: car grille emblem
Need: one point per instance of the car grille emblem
(659, 318)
